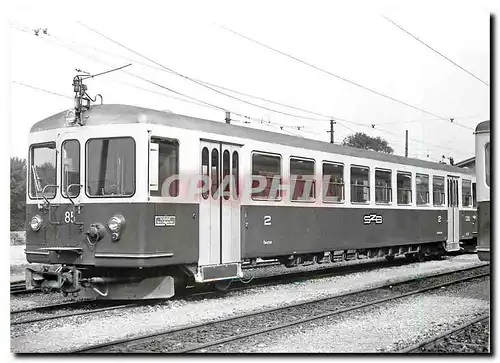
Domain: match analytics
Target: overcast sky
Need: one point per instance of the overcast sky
(360, 46)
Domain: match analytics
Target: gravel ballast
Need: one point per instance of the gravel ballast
(81, 331)
(383, 328)
(474, 339)
(214, 332)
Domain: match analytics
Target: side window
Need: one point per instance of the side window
(236, 175)
(474, 196)
(226, 173)
(333, 182)
(215, 174)
(422, 188)
(360, 184)
(438, 190)
(383, 186)
(266, 177)
(404, 187)
(466, 193)
(164, 167)
(110, 167)
(70, 161)
(302, 180)
(205, 159)
(487, 163)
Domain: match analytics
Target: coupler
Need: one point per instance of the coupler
(64, 279)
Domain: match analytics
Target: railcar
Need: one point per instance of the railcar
(133, 203)
(482, 135)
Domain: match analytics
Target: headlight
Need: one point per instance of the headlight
(116, 223)
(36, 223)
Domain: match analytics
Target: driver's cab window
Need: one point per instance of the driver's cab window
(42, 170)
(163, 167)
(70, 161)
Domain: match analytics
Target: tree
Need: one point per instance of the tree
(17, 193)
(363, 141)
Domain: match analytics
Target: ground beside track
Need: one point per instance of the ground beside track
(382, 328)
(98, 328)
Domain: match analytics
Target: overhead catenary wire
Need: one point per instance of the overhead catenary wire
(236, 113)
(42, 89)
(201, 103)
(339, 77)
(171, 72)
(234, 91)
(436, 51)
(250, 103)
(196, 81)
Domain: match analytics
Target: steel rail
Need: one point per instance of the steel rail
(19, 287)
(430, 340)
(79, 313)
(51, 306)
(148, 337)
(192, 294)
(323, 315)
(272, 280)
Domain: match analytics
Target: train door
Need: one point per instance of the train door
(219, 204)
(452, 244)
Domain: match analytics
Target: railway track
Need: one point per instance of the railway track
(83, 307)
(87, 307)
(431, 343)
(19, 287)
(203, 336)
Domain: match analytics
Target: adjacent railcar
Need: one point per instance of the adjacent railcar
(136, 203)
(483, 189)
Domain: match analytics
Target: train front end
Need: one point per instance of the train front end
(88, 220)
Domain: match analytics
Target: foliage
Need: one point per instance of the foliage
(17, 193)
(363, 141)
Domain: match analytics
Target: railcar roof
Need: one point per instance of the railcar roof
(483, 126)
(100, 115)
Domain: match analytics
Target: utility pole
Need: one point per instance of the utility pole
(332, 122)
(406, 144)
(228, 117)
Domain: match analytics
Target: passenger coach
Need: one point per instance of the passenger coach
(133, 202)
(483, 189)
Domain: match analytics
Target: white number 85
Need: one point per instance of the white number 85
(69, 217)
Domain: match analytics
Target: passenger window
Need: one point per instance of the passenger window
(487, 163)
(466, 193)
(110, 167)
(438, 194)
(236, 175)
(266, 177)
(333, 182)
(226, 174)
(383, 186)
(204, 171)
(215, 173)
(360, 184)
(422, 185)
(404, 187)
(302, 180)
(70, 168)
(474, 196)
(164, 167)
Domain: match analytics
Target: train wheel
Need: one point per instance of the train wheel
(420, 256)
(222, 285)
(410, 257)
